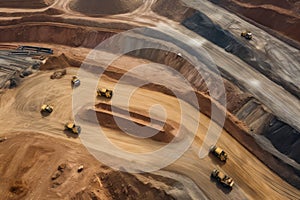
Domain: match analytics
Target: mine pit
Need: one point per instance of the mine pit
(43, 44)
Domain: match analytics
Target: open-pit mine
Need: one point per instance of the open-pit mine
(149, 99)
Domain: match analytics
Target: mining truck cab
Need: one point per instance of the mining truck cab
(219, 153)
(75, 81)
(71, 126)
(103, 92)
(47, 108)
(222, 178)
(247, 35)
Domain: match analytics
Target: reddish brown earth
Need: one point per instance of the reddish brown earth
(35, 168)
(34, 156)
(25, 3)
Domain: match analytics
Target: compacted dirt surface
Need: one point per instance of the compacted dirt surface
(39, 159)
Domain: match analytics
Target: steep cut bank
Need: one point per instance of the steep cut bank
(283, 16)
(204, 26)
(265, 61)
(256, 118)
(104, 7)
(25, 3)
(55, 33)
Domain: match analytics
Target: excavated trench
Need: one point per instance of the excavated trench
(165, 132)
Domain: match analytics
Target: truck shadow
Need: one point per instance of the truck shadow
(103, 99)
(216, 160)
(224, 189)
(69, 134)
(44, 113)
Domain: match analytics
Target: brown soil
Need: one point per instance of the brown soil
(54, 152)
(30, 157)
(166, 132)
(32, 160)
(104, 7)
(25, 3)
(56, 62)
(55, 34)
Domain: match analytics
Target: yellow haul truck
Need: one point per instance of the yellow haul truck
(72, 127)
(222, 178)
(102, 92)
(219, 153)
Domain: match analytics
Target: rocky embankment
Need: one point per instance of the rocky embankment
(268, 137)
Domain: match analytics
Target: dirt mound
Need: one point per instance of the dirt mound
(56, 62)
(102, 7)
(25, 3)
(173, 9)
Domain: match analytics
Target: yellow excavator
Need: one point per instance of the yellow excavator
(247, 35)
(222, 178)
(47, 108)
(75, 81)
(71, 126)
(219, 153)
(103, 92)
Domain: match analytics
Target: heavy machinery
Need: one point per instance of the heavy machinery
(37, 49)
(75, 81)
(219, 153)
(47, 108)
(58, 74)
(2, 139)
(102, 92)
(71, 126)
(247, 35)
(222, 178)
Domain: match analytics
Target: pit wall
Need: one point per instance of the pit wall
(55, 34)
(259, 120)
(282, 17)
(202, 25)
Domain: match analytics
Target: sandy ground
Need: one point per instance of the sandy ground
(45, 141)
(21, 116)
